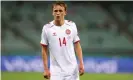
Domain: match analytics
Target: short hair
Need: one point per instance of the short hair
(60, 3)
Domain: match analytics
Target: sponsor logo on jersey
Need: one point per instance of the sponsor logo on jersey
(54, 34)
(68, 32)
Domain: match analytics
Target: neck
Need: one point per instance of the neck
(59, 22)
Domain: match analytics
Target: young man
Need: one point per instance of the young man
(60, 37)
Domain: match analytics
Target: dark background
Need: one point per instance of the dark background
(105, 27)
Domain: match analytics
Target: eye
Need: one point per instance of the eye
(60, 11)
(55, 10)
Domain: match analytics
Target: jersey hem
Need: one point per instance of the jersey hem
(43, 44)
(76, 41)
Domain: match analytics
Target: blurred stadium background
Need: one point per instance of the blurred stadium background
(105, 30)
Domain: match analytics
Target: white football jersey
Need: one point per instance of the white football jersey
(60, 40)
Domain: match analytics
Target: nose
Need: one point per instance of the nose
(58, 12)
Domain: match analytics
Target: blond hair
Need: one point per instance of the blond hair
(60, 4)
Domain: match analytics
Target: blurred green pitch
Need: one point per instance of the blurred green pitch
(86, 76)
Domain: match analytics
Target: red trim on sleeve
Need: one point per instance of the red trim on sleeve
(43, 44)
(76, 41)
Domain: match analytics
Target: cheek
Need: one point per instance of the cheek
(63, 14)
(53, 13)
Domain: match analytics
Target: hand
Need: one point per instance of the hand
(81, 69)
(46, 74)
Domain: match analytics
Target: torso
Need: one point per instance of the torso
(61, 48)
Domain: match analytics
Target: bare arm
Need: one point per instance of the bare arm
(78, 50)
(45, 57)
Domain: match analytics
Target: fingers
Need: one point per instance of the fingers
(46, 76)
(81, 72)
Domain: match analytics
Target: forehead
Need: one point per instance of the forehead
(58, 7)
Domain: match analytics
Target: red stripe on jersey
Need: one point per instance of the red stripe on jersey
(51, 26)
(44, 45)
(67, 24)
(76, 41)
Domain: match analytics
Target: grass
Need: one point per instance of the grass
(86, 76)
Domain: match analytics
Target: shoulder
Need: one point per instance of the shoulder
(48, 25)
(69, 22)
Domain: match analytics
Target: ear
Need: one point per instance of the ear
(65, 12)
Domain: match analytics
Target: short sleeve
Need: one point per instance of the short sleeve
(44, 41)
(76, 37)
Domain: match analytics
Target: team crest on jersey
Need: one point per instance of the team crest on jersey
(68, 32)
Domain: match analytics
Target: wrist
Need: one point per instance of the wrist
(81, 62)
(46, 69)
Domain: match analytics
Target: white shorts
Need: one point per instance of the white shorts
(68, 77)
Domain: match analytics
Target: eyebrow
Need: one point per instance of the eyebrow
(58, 10)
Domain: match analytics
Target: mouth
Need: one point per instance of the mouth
(57, 16)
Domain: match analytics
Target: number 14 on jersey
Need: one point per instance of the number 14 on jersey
(62, 41)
